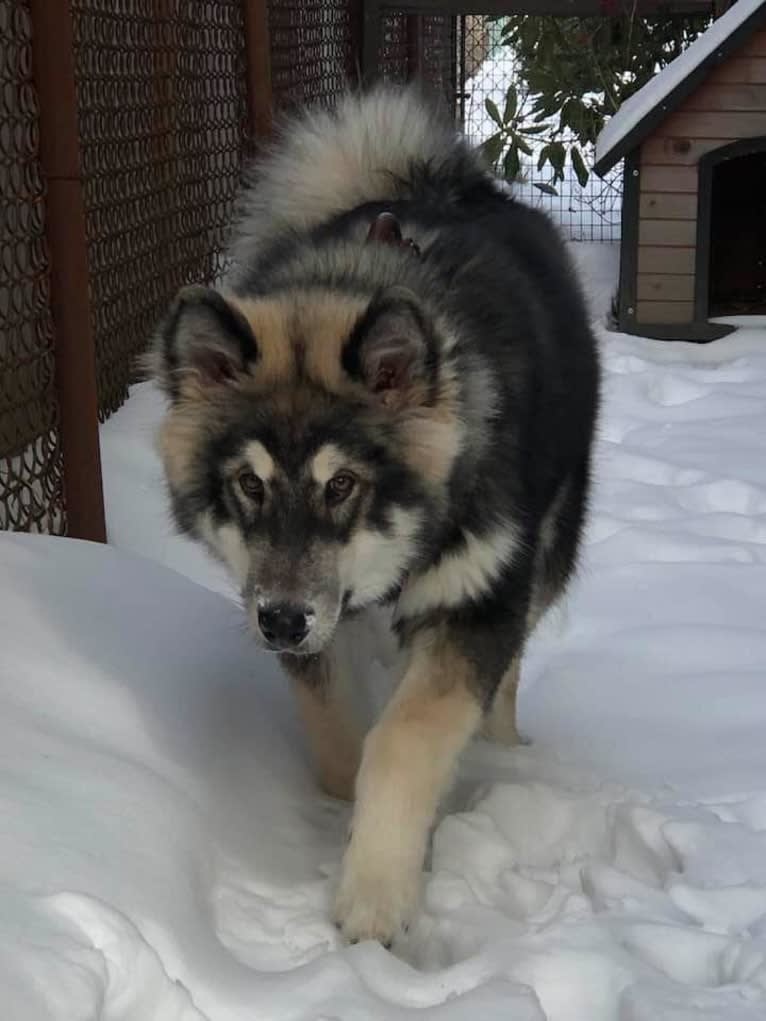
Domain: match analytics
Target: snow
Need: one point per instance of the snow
(659, 88)
(165, 855)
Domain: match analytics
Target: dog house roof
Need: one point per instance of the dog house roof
(646, 109)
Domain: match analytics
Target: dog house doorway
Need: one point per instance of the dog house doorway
(732, 241)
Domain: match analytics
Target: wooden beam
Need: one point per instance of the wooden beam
(660, 205)
(371, 39)
(677, 312)
(652, 287)
(560, 8)
(678, 180)
(656, 259)
(54, 75)
(258, 51)
(414, 34)
(695, 332)
(678, 233)
(699, 125)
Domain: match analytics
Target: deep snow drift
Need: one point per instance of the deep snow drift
(165, 855)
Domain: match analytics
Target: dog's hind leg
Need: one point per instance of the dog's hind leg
(409, 757)
(500, 722)
(333, 734)
(554, 562)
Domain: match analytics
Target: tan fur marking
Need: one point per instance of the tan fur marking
(408, 760)
(434, 433)
(335, 743)
(328, 319)
(432, 446)
(321, 687)
(179, 438)
(304, 330)
(260, 459)
(269, 319)
(326, 462)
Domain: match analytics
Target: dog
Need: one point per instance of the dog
(390, 401)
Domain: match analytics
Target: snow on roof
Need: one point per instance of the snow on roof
(655, 95)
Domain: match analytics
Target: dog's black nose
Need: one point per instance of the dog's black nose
(283, 625)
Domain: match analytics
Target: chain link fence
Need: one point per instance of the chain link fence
(31, 466)
(419, 46)
(163, 126)
(313, 50)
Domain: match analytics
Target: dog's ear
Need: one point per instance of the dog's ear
(204, 335)
(392, 350)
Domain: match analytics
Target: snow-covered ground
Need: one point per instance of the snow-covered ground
(164, 855)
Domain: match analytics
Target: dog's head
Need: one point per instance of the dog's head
(308, 443)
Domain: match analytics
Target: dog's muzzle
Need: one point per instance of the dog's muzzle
(285, 626)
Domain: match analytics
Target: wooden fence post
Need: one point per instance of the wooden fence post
(258, 50)
(54, 74)
(414, 31)
(372, 16)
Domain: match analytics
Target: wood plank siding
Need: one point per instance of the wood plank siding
(665, 312)
(665, 287)
(667, 232)
(668, 259)
(755, 46)
(669, 179)
(658, 205)
(678, 152)
(744, 70)
(730, 105)
(703, 124)
(745, 97)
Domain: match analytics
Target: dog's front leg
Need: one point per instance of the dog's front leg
(408, 760)
(333, 733)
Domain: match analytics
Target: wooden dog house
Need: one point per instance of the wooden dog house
(693, 249)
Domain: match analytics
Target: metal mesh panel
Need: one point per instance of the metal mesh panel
(163, 115)
(439, 54)
(312, 50)
(591, 213)
(418, 46)
(394, 53)
(31, 488)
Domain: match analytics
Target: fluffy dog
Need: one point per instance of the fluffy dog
(391, 401)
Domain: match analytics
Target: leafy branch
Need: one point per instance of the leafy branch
(575, 73)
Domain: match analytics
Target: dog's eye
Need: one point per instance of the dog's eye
(250, 484)
(339, 488)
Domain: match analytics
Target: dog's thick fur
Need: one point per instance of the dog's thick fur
(356, 420)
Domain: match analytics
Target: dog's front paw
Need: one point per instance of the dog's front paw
(373, 907)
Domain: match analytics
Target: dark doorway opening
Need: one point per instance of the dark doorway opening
(737, 275)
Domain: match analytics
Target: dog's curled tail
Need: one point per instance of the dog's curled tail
(384, 144)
